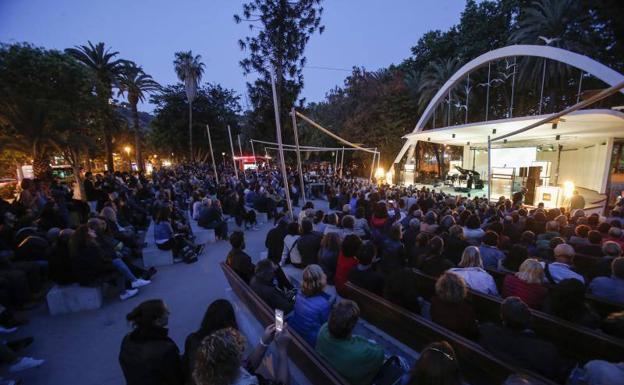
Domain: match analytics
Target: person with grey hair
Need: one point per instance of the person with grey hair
(562, 267)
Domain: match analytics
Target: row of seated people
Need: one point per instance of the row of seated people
(327, 323)
(48, 237)
(565, 301)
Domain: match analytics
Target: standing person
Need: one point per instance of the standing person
(90, 192)
(148, 356)
(577, 202)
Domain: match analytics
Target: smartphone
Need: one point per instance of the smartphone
(279, 320)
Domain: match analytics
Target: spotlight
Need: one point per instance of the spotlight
(557, 137)
(453, 136)
(554, 125)
(494, 131)
(568, 189)
(467, 143)
(428, 139)
(505, 141)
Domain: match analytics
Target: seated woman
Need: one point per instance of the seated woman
(148, 355)
(166, 239)
(527, 284)
(212, 218)
(219, 315)
(312, 304)
(89, 263)
(437, 364)
(220, 359)
(346, 259)
(473, 231)
(328, 255)
(471, 270)
(449, 307)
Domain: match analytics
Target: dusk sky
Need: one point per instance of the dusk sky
(368, 33)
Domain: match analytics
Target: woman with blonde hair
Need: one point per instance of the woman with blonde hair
(449, 307)
(527, 284)
(471, 270)
(312, 304)
(220, 358)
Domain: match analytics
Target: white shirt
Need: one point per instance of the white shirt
(477, 279)
(560, 271)
(289, 245)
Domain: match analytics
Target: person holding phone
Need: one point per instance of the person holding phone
(220, 358)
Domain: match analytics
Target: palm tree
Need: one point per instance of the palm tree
(105, 70)
(136, 83)
(189, 69)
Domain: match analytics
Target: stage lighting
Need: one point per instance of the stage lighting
(380, 173)
(557, 137)
(494, 131)
(568, 189)
(554, 126)
(453, 136)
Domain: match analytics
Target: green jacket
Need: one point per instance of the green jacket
(357, 359)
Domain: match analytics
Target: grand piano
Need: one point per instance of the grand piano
(469, 176)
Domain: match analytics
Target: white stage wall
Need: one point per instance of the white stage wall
(585, 165)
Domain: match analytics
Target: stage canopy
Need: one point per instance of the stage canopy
(579, 127)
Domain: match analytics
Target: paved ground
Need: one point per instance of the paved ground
(82, 348)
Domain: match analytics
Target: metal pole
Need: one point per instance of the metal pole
(278, 128)
(487, 93)
(253, 152)
(542, 89)
(448, 120)
(335, 161)
(578, 94)
(240, 149)
(489, 168)
(513, 86)
(370, 179)
(467, 97)
(214, 164)
(341, 162)
(232, 149)
(299, 168)
(378, 158)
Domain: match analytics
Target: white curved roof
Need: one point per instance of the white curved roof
(583, 126)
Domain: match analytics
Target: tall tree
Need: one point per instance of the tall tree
(105, 69)
(42, 95)
(282, 30)
(189, 69)
(136, 84)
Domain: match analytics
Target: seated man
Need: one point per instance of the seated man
(357, 359)
(263, 285)
(363, 274)
(595, 244)
(562, 267)
(610, 288)
(515, 343)
(309, 243)
(490, 254)
(237, 259)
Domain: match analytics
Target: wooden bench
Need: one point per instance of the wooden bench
(602, 306)
(576, 341)
(478, 366)
(316, 370)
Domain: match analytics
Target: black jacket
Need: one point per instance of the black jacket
(275, 241)
(275, 298)
(367, 279)
(241, 263)
(309, 246)
(151, 358)
(392, 256)
(524, 349)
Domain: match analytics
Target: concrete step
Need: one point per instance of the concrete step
(73, 298)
